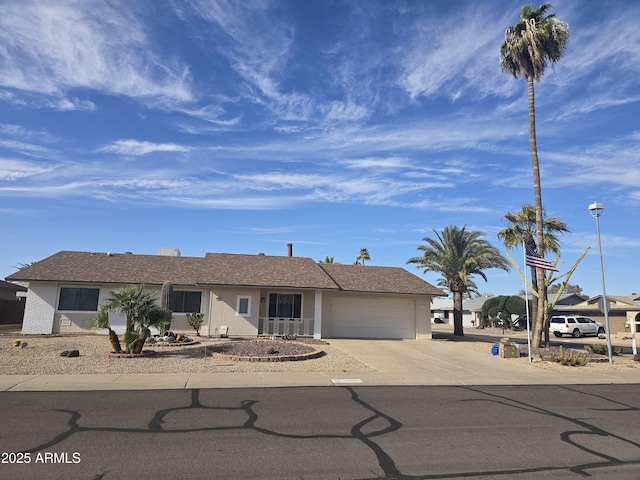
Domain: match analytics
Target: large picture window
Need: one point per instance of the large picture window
(285, 305)
(186, 302)
(79, 299)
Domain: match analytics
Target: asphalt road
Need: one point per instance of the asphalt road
(342, 432)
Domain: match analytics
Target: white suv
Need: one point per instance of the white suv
(575, 326)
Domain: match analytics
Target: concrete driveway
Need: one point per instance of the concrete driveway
(443, 362)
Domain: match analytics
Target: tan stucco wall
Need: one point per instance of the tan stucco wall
(78, 322)
(223, 311)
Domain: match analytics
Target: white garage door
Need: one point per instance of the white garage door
(372, 317)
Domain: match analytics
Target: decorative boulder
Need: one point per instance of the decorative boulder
(70, 353)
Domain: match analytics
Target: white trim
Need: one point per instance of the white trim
(317, 315)
(239, 298)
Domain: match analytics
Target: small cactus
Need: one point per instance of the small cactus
(572, 358)
(602, 349)
(166, 295)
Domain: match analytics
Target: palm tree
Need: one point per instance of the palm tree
(131, 301)
(458, 254)
(529, 45)
(364, 255)
(141, 311)
(327, 259)
(521, 227)
(101, 321)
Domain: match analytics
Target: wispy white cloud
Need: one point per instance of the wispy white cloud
(67, 104)
(458, 205)
(456, 55)
(50, 48)
(28, 149)
(136, 147)
(237, 202)
(378, 163)
(11, 169)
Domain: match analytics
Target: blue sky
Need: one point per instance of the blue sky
(228, 126)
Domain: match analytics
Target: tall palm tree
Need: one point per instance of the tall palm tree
(529, 46)
(521, 227)
(364, 255)
(458, 254)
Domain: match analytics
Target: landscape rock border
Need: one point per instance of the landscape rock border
(314, 353)
(273, 358)
(174, 344)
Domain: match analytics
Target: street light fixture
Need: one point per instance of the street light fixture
(596, 210)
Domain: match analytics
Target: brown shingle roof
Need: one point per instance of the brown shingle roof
(264, 270)
(222, 269)
(370, 279)
(12, 286)
(214, 269)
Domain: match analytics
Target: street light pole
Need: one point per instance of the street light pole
(596, 210)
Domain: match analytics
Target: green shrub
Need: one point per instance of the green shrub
(195, 321)
(130, 338)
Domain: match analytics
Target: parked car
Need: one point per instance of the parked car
(575, 325)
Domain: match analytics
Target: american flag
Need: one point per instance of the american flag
(532, 259)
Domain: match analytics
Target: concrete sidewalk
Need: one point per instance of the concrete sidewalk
(395, 362)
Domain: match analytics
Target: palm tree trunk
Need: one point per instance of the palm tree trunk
(537, 191)
(139, 343)
(457, 314)
(115, 342)
(546, 326)
(534, 285)
(129, 324)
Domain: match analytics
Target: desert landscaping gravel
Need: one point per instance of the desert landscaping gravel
(41, 355)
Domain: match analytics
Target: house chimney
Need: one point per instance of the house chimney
(290, 249)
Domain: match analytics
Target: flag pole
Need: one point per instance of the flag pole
(526, 300)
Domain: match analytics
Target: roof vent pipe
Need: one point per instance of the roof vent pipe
(290, 249)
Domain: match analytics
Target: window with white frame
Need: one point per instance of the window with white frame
(243, 306)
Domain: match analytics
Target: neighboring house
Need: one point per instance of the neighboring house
(11, 303)
(10, 291)
(567, 299)
(248, 294)
(442, 309)
(623, 309)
